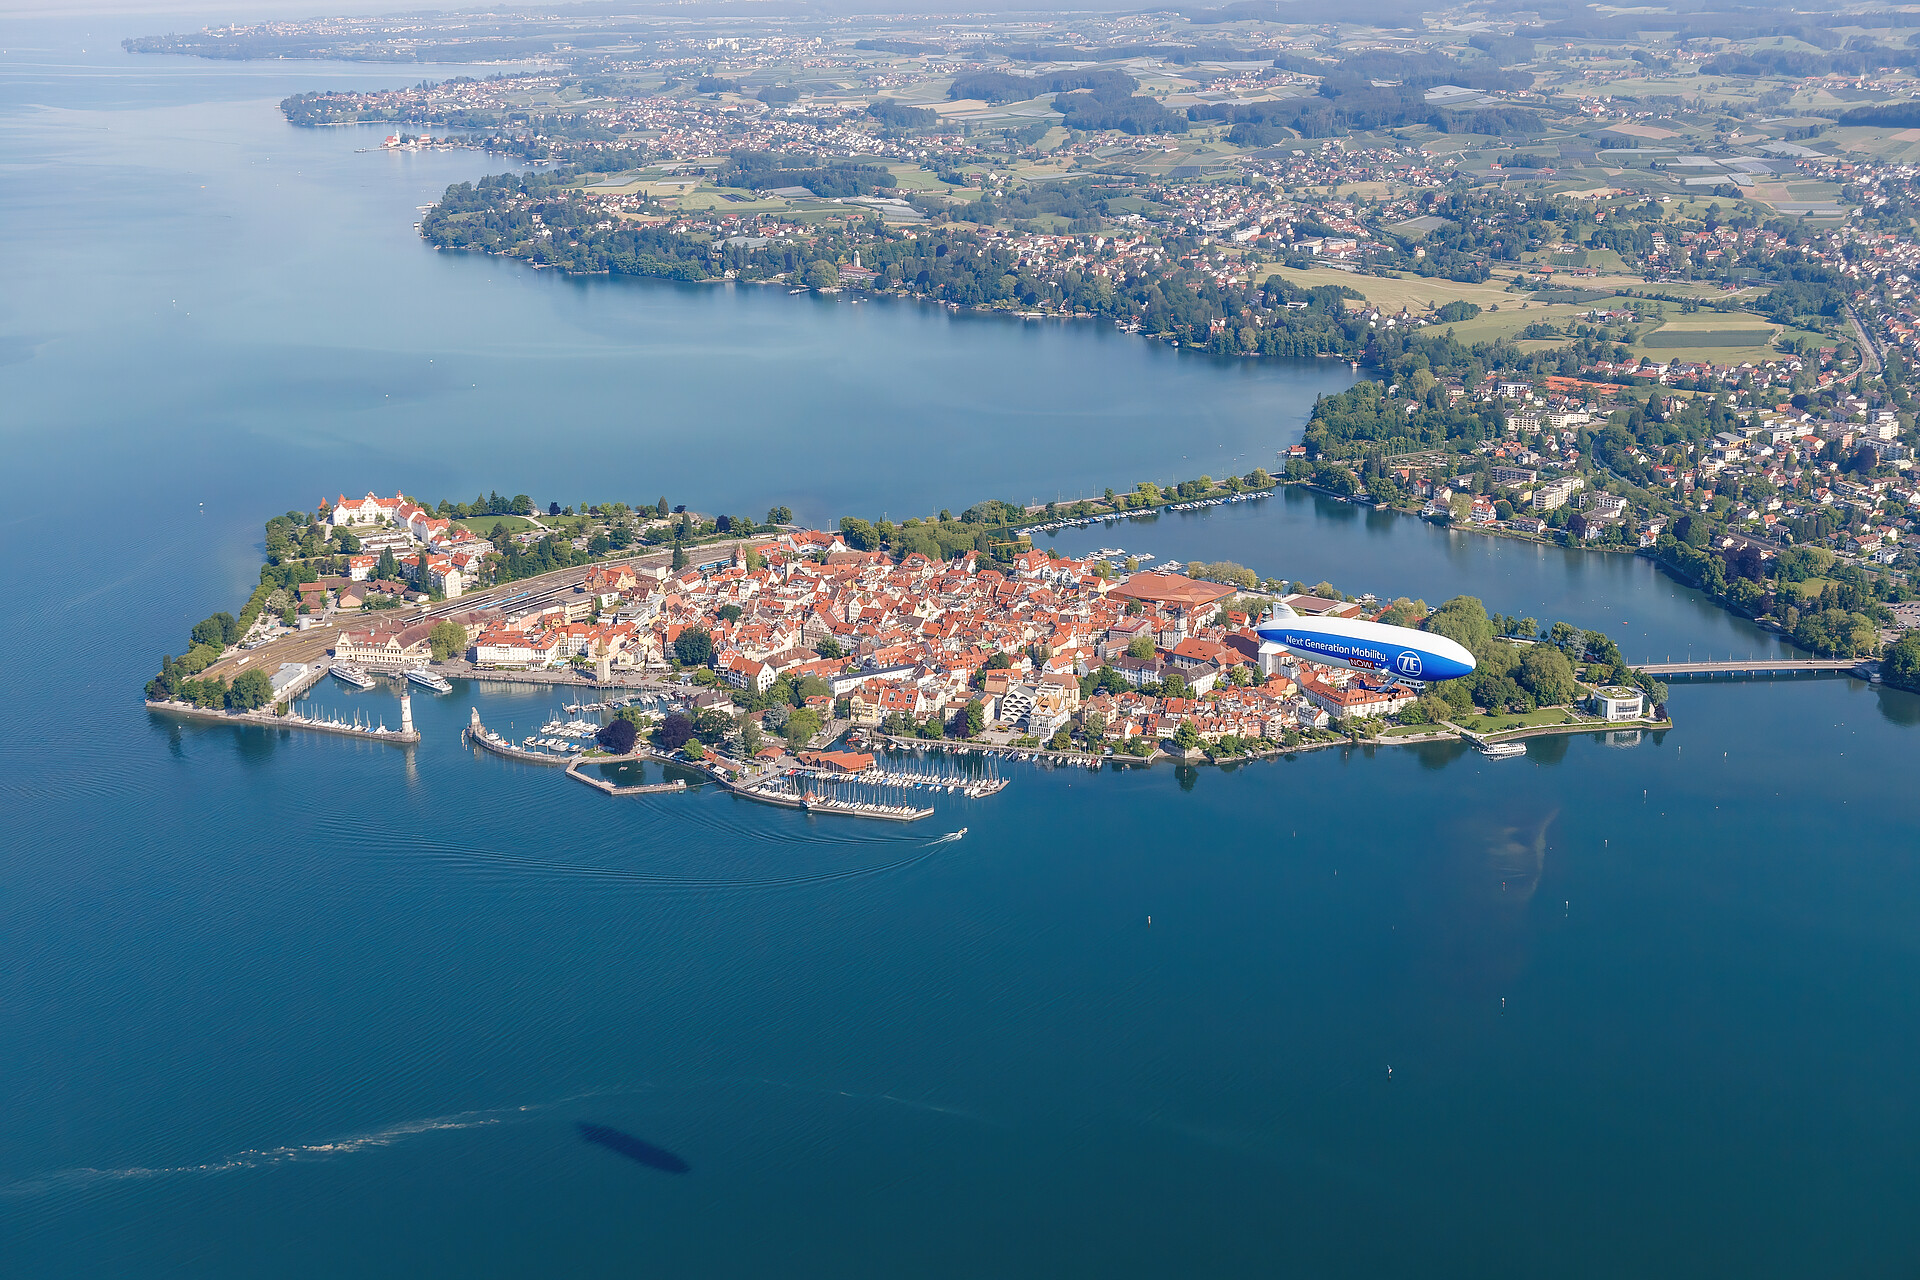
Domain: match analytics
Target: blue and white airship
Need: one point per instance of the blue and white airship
(1399, 652)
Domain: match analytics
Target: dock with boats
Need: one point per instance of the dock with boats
(358, 727)
(486, 739)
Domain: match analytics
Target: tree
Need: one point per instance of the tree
(218, 631)
(1901, 667)
(694, 647)
(1141, 647)
(250, 691)
(661, 508)
(801, 726)
(679, 556)
(976, 716)
(860, 535)
(712, 726)
(695, 751)
(1186, 737)
(387, 569)
(675, 730)
(780, 515)
(447, 639)
(617, 736)
(822, 275)
(751, 739)
(1545, 673)
(1463, 619)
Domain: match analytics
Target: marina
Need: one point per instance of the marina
(486, 739)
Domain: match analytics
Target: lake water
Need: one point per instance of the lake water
(306, 1006)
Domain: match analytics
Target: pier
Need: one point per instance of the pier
(405, 736)
(643, 789)
(772, 793)
(486, 739)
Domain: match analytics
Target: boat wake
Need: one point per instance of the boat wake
(268, 1157)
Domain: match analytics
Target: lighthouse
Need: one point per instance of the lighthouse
(406, 713)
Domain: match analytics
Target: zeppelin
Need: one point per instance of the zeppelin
(1399, 652)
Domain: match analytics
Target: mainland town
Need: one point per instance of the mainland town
(1629, 283)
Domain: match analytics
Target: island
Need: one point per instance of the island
(745, 650)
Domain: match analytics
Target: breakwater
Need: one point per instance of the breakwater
(487, 740)
(404, 736)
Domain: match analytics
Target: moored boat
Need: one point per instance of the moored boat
(422, 676)
(351, 674)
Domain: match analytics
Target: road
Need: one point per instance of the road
(1869, 350)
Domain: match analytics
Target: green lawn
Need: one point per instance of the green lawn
(1411, 730)
(1502, 723)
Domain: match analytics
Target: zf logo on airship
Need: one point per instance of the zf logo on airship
(1408, 664)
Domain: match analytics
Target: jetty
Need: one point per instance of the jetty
(640, 789)
(773, 793)
(487, 740)
(405, 736)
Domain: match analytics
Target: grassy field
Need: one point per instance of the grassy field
(1510, 319)
(1502, 723)
(1412, 292)
(1667, 336)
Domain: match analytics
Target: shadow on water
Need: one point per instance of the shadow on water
(1549, 750)
(1899, 707)
(1438, 755)
(635, 1149)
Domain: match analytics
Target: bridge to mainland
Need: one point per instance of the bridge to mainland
(1757, 668)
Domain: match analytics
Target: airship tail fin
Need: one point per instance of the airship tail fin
(1281, 609)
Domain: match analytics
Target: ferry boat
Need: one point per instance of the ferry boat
(1503, 750)
(420, 675)
(352, 675)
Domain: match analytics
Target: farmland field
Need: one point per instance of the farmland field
(1707, 338)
